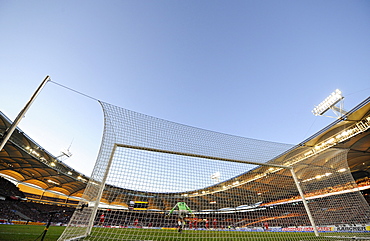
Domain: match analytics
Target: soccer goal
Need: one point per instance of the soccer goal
(159, 180)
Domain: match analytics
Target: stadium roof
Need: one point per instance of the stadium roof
(26, 161)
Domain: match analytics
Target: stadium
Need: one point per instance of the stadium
(257, 190)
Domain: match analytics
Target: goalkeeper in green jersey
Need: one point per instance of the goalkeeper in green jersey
(183, 211)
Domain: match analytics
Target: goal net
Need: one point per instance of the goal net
(159, 180)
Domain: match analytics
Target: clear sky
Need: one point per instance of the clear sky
(249, 68)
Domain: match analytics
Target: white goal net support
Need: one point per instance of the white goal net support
(159, 180)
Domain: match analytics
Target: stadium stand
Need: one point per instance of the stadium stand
(15, 207)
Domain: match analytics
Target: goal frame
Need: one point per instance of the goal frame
(102, 186)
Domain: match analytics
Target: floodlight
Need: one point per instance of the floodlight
(64, 154)
(216, 177)
(328, 103)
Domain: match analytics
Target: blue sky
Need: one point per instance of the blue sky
(249, 68)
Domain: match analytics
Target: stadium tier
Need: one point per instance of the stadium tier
(159, 180)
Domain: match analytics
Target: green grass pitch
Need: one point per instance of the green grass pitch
(32, 233)
(28, 232)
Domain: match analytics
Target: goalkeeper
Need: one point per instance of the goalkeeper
(183, 209)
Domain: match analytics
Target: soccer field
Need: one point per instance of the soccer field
(32, 233)
(28, 232)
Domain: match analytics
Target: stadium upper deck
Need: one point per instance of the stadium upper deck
(27, 162)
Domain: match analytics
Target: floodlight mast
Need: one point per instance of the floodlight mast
(216, 177)
(330, 103)
(65, 154)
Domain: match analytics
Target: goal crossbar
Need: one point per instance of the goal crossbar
(199, 156)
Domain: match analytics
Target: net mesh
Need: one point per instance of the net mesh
(148, 167)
